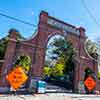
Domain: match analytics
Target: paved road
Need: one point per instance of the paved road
(51, 96)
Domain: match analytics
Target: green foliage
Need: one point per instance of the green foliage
(23, 61)
(88, 72)
(91, 48)
(65, 51)
(99, 71)
(99, 75)
(98, 51)
(47, 71)
(4, 42)
(64, 61)
(57, 70)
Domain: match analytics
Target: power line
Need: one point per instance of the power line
(96, 22)
(16, 19)
(89, 12)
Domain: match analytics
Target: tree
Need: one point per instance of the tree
(57, 70)
(47, 71)
(98, 51)
(91, 48)
(61, 56)
(59, 62)
(64, 50)
(23, 61)
(4, 42)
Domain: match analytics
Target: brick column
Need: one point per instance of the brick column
(9, 54)
(95, 69)
(40, 47)
(81, 53)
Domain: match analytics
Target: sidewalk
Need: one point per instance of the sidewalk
(35, 97)
(50, 96)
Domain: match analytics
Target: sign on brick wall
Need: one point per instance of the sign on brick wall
(16, 77)
(90, 83)
(67, 28)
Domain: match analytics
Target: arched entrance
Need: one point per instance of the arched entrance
(59, 64)
(89, 75)
(36, 46)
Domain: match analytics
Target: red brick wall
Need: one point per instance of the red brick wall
(36, 47)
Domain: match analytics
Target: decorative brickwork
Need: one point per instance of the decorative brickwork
(35, 47)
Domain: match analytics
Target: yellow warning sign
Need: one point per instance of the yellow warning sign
(16, 77)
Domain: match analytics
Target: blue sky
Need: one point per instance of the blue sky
(70, 11)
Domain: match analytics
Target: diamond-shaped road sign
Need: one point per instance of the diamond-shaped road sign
(90, 83)
(16, 77)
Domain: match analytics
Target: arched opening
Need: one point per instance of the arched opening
(59, 64)
(24, 61)
(88, 72)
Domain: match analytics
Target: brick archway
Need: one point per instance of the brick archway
(35, 47)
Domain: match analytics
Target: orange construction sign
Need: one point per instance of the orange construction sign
(16, 77)
(90, 83)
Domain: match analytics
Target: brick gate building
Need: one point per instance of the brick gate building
(36, 46)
